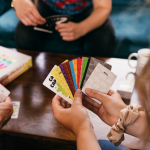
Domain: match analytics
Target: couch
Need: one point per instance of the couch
(130, 19)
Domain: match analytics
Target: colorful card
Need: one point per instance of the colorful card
(78, 71)
(51, 83)
(16, 106)
(84, 66)
(58, 75)
(66, 67)
(3, 93)
(92, 64)
(101, 80)
(73, 74)
(75, 67)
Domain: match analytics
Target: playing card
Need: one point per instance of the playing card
(66, 67)
(3, 93)
(16, 106)
(78, 71)
(75, 67)
(58, 75)
(92, 64)
(101, 80)
(51, 83)
(85, 61)
(73, 74)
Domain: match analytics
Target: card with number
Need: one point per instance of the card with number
(16, 106)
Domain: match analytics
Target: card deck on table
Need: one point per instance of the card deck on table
(16, 106)
(92, 64)
(66, 67)
(51, 83)
(3, 93)
(101, 79)
(58, 75)
(51, 21)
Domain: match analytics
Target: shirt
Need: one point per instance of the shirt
(68, 7)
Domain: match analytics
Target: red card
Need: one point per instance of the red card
(79, 61)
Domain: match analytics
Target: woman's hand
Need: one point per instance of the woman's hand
(27, 13)
(6, 110)
(69, 31)
(75, 118)
(109, 110)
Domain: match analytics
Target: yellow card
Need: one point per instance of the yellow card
(58, 75)
(75, 67)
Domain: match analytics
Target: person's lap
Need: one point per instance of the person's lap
(101, 43)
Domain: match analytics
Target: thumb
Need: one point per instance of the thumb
(78, 97)
(97, 95)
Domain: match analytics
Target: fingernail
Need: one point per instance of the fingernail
(88, 91)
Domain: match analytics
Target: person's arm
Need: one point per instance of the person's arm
(86, 140)
(109, 112)
(100, 14)
(76, 119)
(71, 31)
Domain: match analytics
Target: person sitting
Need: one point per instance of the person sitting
(90, 24)
(6, 110)
(133, 119)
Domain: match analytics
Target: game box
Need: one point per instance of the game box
(12, 64)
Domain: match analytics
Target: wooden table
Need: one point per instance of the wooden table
(36, 126)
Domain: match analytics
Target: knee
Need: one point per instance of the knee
(25, 37)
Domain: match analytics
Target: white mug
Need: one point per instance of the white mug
(142, 56)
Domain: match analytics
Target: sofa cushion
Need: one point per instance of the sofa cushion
(8, 23)
(4, 5)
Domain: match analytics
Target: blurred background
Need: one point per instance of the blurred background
(131, 21)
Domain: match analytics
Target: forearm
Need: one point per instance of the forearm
(95, 20)
(139, 128)
(86, 140)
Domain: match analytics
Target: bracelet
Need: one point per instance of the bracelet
(128, 116)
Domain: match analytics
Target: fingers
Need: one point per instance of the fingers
(97, 95)
(78, 97)
(61, 26)
(111, 92)
(37, 15)
(56, 103)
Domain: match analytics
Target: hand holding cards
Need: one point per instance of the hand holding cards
(80, 73)
(51, 21)
(3, 93)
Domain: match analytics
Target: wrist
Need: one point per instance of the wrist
(84, 128)
(83, 28)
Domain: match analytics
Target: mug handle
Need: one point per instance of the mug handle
(130, 56)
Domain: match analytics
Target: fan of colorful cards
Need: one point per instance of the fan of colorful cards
(81, 73)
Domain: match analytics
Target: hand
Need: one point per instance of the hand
(69, 31)
(6, 110)
(109, 110)
(27, 13)
(74, 118)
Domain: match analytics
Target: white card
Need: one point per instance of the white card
(3, 93)
(101, 80)
(54, 86)
(16, 106)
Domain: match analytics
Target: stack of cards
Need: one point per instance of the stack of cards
(3, 93)
(81, 73)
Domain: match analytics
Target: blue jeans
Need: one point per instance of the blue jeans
(107, 145)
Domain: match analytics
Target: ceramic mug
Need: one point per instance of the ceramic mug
(142, 56)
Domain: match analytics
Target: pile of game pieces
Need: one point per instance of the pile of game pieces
(81, 73)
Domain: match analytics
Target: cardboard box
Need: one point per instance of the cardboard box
(12, 64)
